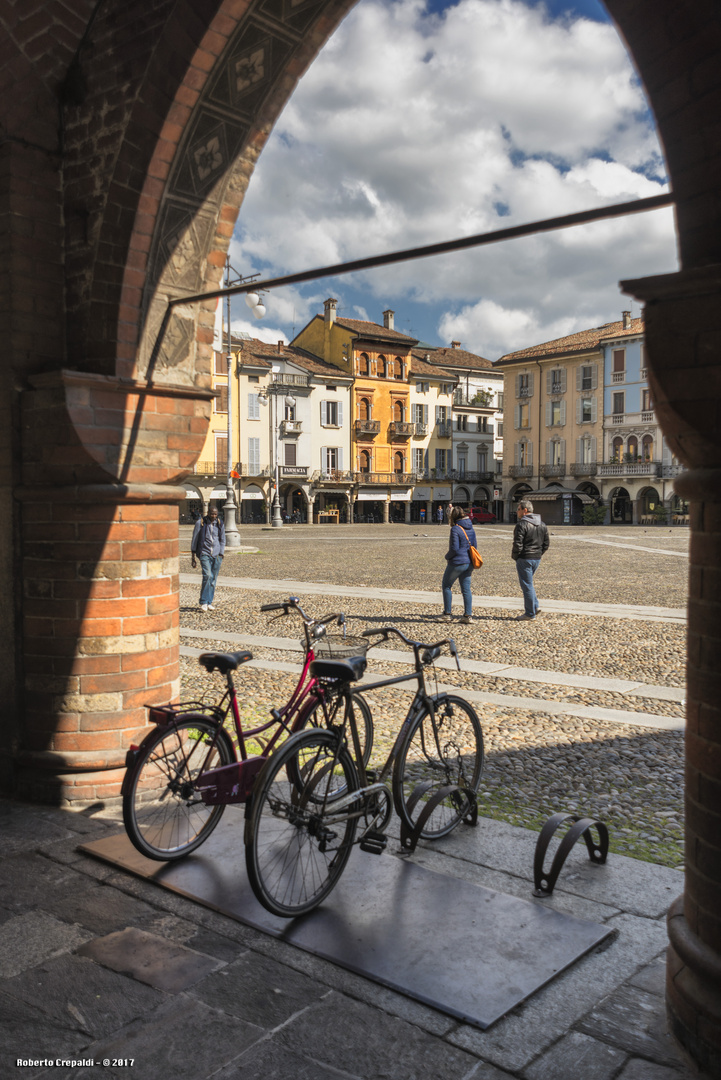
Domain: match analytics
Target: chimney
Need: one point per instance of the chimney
(626, 320)
(330, 307)
(388, 319)
(455, 344)
(280, 346)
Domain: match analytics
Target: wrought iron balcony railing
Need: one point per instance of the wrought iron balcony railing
(420, 430)
(385, 478)
(553, 470)
(520, 470)
(584, 468)
(399, 428)
(444, 429)
(367, 427)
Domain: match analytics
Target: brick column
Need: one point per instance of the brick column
(683, 334)
(100, 621)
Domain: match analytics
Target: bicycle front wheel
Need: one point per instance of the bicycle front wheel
(444, 747)
(296, 845)
(163, 813)
(315, 717)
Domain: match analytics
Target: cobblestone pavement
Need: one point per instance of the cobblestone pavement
(537, 762)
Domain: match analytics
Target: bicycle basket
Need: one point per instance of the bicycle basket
(339, 648)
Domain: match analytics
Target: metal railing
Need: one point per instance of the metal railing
(401, 428)
(420, 429)
(553, 470)
(367, 427)
(444, 429)
(584, 468)
(525, 391)
(254, 470)
(520, 470)
(384, 478)
(210, 468)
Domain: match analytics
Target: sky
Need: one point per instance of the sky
(422, 121)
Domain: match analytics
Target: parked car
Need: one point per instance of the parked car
(479, 515)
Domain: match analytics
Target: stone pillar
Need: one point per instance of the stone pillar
(407, 512)
(683, 335)
(386, 508)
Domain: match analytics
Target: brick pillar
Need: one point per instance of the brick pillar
(683, 334)
(100, 622)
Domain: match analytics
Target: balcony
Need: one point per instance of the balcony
(331, 476)
(618, 418)
(525, 391)
(647, 417)
(211, 468)
(618, 376)
(420, 430)
(255, 470)
(470, 477)
(291, 380)
(669, 471)
(444, 429)
(386, 478)
(399, 429)
(291, 427)
(584, 468)
(630, 468)
(520, 470)
(479, 398)
(367, 427)
(557, 388)
(553, 470)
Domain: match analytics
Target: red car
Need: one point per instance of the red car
(479, 516)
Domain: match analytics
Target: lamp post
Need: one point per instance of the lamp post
(232, 536)
(277, 522)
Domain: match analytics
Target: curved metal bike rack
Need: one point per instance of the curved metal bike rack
(545, 882)
(410, 837)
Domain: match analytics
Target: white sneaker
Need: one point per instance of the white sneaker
(211, 607)
(203, 607)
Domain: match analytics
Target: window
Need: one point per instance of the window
(524, 385)
(331, 459)
(398, 368)
(221, 402)
(331, 389)
(619, 359)
(482, 461)
(253, 457)
(646, 403)
(555, 413)
(586, 410)
(364, 409)
(289, 453)
(461, 423)
(587, 450)
(289, 412)
(382, 367)
(499, 402)
(618, 403)
(647, 445)
(422, 387)
(556, 452)
(364, 461)
(399, 411)
(419, 414)
(523, 416)
(617, 450)
(253, 407)
(221, 363)
(446, 388)
(364, 367)
(254, 378)
(331, 413)
(499, 429)
(399, 464)
(441, 414)
(587, 377)
(441, 460)
(633, 448)
(556, 381)
(524, 453)
(419, 459)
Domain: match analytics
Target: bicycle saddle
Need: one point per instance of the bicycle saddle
(349, 670)
(224, 661)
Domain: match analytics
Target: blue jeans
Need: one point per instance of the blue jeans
(462, 574)
(210, 565)
(525, 569)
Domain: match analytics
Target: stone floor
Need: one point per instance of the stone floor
(98, 966)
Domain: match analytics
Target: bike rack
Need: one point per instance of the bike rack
(545, 882)
(410, 837)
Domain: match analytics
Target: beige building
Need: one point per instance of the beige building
(553, 424)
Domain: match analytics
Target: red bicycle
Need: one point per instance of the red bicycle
(196, 760)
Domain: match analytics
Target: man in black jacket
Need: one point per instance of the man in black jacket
(530, 542)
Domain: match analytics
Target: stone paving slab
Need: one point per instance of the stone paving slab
(150, 959)
(29, 939)
(415, 596)
(577, 1057)
(630, 1018)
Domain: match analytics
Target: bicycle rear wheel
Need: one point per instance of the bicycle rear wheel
(164, 815)
(443, 748)
(296, 847)
(363, 718)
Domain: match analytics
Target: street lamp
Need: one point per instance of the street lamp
(277, 522)
(232, 536)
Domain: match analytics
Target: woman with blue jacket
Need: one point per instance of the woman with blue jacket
(458, 563)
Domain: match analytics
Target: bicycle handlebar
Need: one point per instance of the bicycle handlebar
(386, 631)
(285, 606)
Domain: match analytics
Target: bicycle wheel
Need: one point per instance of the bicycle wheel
(363, 719)
(442, 748)
(296, 847)
(164, 815)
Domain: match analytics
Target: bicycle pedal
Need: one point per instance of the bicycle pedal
(374, 842)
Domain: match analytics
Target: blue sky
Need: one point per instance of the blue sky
(422, 122)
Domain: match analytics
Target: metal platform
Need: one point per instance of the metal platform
(467, 951)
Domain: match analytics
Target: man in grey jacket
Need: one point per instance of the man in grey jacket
(530, 542)
(208, 544)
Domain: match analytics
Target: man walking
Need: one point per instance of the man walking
(530, 542)
(208, 544)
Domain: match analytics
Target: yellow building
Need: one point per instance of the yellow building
(389, 443)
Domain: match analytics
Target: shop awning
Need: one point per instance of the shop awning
(551, 494)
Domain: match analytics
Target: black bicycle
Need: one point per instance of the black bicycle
(314, 795)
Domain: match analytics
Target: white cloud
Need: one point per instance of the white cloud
(412, 128)
(257, 330)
